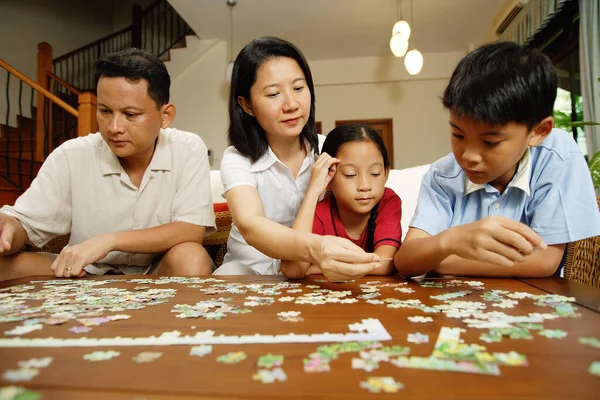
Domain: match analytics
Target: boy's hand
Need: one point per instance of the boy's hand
(7, 232)
(72, 259)
(341, 260)
(496, 240)
(323, 171)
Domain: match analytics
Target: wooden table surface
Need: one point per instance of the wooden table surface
(558, 368)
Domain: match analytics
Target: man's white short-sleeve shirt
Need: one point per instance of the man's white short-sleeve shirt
(83, 189)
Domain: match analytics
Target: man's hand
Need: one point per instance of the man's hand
(72, 259)
(7, 232)
(496, 240)
(341, 260)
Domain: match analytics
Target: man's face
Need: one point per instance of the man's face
(128, 118)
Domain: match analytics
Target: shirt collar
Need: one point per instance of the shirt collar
(519, 181)
(161, 159)
(269, 158)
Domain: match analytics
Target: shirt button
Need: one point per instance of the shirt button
(496, 206)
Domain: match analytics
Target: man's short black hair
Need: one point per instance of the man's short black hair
(133, 65)
(503, 82)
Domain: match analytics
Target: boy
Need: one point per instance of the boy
(128, 195)
(514, 191)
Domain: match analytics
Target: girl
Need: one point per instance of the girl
(360, 207)
(267, 170)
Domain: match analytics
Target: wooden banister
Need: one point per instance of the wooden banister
(94, 43)
(150, 8)
(63, 83)
(39, 89)
(87, 114)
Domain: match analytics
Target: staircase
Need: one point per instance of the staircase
(17, 168)
(64, 93)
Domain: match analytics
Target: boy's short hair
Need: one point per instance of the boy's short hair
(135, 64)
(503, 82)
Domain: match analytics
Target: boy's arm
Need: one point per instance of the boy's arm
(539, 264)
(492, 240)
(419, 254)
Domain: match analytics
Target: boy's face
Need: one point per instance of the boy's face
(128, 118)
(489, 153)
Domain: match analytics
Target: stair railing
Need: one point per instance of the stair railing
(155, 29)
(30, 145)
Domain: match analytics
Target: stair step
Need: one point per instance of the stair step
(13, 182)
(8, 196)
(27, 145)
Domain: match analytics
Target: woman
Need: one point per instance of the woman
(267, 171)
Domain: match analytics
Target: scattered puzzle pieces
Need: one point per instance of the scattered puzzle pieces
(232, 358)
(383, 384)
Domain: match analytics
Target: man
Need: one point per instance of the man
(134, 196)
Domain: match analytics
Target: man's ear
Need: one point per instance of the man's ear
(168, 115)
(540, 131)
(245, 105)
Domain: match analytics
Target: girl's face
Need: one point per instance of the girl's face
(279, 98)
(360, 178)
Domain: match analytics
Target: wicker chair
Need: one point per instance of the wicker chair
(583, 260)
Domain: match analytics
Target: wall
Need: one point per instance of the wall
(370, 88)
(361, 88)
(200, 96)
(65, 24)
(122, 12)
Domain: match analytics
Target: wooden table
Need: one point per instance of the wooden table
(557, 367)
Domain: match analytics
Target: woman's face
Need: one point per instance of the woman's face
(279, 98)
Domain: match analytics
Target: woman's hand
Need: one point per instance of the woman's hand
(341, 260)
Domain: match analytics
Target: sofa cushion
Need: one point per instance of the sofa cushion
(216, 243)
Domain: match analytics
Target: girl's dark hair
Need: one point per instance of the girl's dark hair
(357, 133)
(503, 82)
(245, 133)
(134, 65)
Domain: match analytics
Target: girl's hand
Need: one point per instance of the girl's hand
(323, 171)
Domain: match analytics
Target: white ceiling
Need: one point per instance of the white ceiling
(325, 29)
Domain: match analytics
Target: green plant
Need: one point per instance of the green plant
(594, 165)
(563, 120)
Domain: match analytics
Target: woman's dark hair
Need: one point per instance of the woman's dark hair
(245, 133)
(134, 65)
(503, 82)
(357, 133)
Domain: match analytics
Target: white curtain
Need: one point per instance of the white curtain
(589, 60)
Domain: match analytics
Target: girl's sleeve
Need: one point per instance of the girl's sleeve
(388, 230)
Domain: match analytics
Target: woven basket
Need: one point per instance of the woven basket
(583, 260)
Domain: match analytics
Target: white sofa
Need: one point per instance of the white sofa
(405, 182)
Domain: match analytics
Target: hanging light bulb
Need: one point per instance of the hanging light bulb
(401, 27)
(399, 44)
(413, 61)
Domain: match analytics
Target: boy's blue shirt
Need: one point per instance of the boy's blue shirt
(551, 192)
